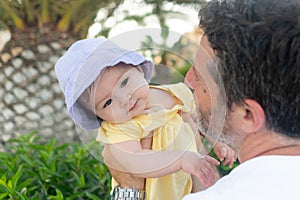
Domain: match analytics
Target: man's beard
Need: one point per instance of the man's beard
(202, 122)
(216, 127)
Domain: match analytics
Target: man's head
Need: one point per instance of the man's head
(256, 55)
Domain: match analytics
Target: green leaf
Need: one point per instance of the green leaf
(28, 8)
(2, 196)
(45, 11)
(9, 184)
(82, 180)
(4, 186)
(92, 196)
(78, 180)
(15, 140)
(18, 22)
(3, 178)
(25, 183)
(26, 159)
(16, 177)
(59, 195)
(44, 155)
(36, 146)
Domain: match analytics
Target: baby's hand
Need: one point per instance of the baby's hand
(200, 166)
(225, 153)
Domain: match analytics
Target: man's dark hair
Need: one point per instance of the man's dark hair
(257, 45)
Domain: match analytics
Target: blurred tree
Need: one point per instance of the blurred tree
(164, 10)
(43, 16)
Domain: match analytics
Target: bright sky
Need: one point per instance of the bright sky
(126, 31)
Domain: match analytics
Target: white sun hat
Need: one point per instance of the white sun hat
(79, 67)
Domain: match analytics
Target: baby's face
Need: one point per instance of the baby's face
(121, 93)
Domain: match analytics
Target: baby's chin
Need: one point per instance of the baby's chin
(118, 121)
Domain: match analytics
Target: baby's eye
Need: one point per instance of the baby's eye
(124, 82)
(107, 103)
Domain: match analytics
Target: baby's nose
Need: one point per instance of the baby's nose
(125, 100)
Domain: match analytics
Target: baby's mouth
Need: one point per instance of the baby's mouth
(133, 106)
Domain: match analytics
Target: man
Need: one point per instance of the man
(248, 66)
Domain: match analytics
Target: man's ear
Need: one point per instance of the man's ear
(250, 117)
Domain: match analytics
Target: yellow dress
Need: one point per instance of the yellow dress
(170, 133)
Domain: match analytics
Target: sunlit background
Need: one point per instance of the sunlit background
(181, 19)
(35, 34)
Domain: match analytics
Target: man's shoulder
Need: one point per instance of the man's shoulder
(264, 177)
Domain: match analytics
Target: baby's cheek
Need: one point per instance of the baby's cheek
(120, 116)
(143, 92)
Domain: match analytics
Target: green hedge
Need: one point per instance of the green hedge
(31, 169)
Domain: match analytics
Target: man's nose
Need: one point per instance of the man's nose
(189, 78)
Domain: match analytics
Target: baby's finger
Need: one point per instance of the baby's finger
(209, 170)
(202, 180)
(227, 159)
(233, 159)
(205, 177)
(212, 160)
(222, 154)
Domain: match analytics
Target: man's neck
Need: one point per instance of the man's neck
(267, 143)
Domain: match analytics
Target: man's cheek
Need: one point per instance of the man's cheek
(197, 99)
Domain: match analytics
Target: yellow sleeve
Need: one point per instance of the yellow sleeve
(114, 133)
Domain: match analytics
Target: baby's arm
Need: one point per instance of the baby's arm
(188, 119)
(147, 163)
(125, 179)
